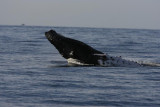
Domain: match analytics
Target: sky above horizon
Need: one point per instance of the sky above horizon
(143, 14)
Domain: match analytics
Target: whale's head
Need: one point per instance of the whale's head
(52, 36)
(71, 48)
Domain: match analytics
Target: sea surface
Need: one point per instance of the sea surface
(33, 73)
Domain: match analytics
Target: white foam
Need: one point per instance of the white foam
(150, 64)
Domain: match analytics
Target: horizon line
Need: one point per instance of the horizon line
(79, 26)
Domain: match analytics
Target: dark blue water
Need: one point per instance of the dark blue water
(33, 74)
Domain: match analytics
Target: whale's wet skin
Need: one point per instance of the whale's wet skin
(77, 52)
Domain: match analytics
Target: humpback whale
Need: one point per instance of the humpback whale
(77, 52)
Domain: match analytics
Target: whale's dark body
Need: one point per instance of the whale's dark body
(83, 53)
(71, 48)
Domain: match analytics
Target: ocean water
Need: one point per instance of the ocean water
(33, 73)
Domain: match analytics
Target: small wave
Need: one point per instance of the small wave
(29, 41)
